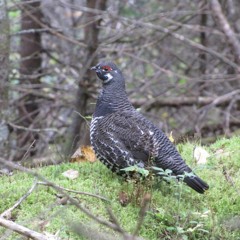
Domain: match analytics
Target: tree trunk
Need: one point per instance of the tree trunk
(4, 55)
(79, 130)
(30, 67)
(203, 40)
(4, 70)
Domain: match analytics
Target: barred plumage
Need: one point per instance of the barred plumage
(123, 137)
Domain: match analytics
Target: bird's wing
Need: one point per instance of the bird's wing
(130, 134)
(124, 139)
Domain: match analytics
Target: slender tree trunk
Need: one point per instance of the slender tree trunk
(4, 70)
(203, 41)
(79, 130)
(4, 55)
(30, 67)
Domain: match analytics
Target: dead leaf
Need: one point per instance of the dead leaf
(200, 155)
(71, 174)
(83, 153)
(74, 13)
(123, 198)
(8, 215)
(171, 137)
(220, 153)
(43, 224)
(62, 201)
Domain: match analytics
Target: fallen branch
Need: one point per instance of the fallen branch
(171, 102)
(24, 231)
(184, 101)
(78, 192)
(226, 98)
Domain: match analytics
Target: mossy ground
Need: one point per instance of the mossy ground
(176, 211)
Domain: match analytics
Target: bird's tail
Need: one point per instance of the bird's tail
(196, 183)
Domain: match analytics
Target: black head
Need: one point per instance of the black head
(106, 71)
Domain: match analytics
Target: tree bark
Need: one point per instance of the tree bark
(203, 41)
(4, 71)
(24, 231)
(79, 130)
(30, 67)
(4, 54)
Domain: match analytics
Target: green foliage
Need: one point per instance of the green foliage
(175, 212)
(182, 81)
(14, 14)
(14, 17)
(149, 70)
(136, 169)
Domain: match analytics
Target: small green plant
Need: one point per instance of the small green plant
(135, 169)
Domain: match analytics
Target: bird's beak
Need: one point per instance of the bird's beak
(93, 68)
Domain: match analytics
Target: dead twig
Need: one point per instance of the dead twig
(32, 129)
(78, 192)
(115, 221)
(142, 213)
(28, 150)
(229, 178)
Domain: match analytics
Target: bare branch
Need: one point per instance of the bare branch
(184, 101)
(51, 30)
(78, 192)
(115, 221)
(142, 213)
(226, 28)
(185, 40)
(32, 129)
(222, 99)
(24, 231)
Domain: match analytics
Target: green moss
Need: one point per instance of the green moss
(176, 211)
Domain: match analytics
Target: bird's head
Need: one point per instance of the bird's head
(107, 71)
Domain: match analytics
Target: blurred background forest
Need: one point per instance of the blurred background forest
(180, 60)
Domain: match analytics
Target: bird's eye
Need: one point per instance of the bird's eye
(106, 68)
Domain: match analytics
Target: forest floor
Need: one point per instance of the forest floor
(174, 212)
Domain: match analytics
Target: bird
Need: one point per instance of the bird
(122, 137)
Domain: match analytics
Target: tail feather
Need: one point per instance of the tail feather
(196, 183)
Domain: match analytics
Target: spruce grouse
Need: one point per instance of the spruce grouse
(123, 137)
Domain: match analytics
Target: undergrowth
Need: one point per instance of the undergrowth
(175, 210)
